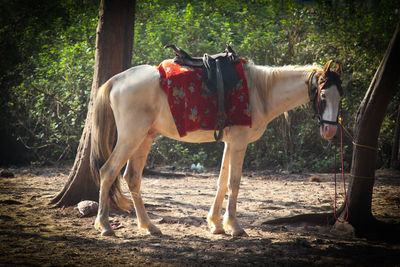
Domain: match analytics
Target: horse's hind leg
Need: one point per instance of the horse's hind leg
(108, 173)
(133, 176)
(214, 216)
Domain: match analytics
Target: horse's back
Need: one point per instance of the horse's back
(135, 79)
(135, 95)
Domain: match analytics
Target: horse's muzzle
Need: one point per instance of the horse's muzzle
(328, 131)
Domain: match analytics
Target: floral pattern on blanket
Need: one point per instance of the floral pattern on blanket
(192, 108)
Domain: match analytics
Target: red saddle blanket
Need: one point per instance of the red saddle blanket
(192, 108)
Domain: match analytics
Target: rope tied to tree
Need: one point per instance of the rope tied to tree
(352, 138)
(342, 128)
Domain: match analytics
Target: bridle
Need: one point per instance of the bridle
(319, 101)
(319, 104)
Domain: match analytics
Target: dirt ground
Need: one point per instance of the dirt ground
(32, 233)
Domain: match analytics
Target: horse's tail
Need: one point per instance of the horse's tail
(102, 140)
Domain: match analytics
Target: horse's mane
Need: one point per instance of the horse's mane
(266, 74)
(262, 78)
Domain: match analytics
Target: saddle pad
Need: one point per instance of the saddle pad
(192, 108)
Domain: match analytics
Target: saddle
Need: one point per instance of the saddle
(219, 76)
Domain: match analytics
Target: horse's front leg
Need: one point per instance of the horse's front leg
(133, 177)
(214, 216)
(236, 156)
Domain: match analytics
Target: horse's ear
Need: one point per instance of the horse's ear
(327, 66)
(338, 70)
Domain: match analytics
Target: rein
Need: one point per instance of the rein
(343, 178)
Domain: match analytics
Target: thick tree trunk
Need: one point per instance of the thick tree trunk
(114, 45)
(368, 124)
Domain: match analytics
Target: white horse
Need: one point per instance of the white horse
(134, 101)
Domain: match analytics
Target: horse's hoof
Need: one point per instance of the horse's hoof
(108, 232)
(234, 228)
(217, 230)
(155, 231)
(151, 230)
(239, 232)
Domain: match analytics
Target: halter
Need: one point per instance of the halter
(319, 104)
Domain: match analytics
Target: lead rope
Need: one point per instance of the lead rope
(343, 178)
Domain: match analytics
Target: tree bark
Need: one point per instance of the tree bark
(113, 54)
(368, 123)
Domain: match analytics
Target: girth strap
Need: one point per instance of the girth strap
(221, 116)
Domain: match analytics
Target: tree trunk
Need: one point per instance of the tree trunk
(368, 123)
(114, 45)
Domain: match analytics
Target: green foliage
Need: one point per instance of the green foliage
(49, 105)
(47, 82)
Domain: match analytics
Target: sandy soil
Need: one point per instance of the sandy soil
(32, 233)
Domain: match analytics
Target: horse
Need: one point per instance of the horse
(134, 102)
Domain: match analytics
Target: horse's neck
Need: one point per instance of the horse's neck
(283, 90)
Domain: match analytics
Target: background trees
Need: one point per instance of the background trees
(47, 68)
(47, 50)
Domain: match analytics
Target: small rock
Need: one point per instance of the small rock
(88, 208)
(315, 179)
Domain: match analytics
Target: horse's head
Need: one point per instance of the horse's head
(327, 93)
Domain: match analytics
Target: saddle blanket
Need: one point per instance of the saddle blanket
(192, 107)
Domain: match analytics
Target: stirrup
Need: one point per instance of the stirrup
(219, 126)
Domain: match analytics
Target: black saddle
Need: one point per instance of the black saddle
(219, 76)
(208, 63)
